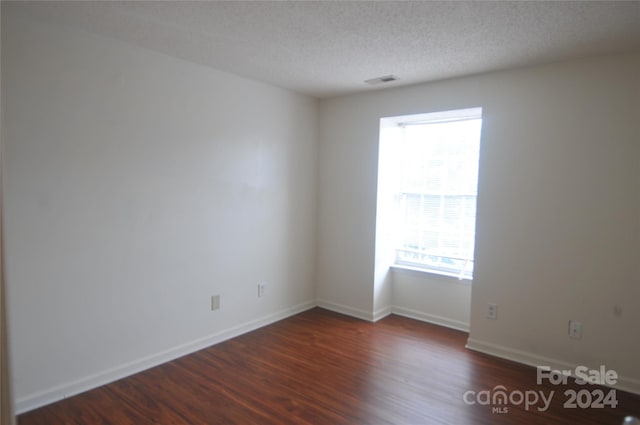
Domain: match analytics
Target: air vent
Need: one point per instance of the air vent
(381, 80)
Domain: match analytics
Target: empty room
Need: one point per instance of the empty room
(320, 212)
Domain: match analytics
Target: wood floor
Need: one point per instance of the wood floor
(320, 367)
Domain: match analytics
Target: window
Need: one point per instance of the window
(437, 178)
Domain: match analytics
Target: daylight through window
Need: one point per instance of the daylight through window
(438, 164)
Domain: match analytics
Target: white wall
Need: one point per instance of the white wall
(559, 207)
(347, 159)
(437, 299)
(137, 186)
(6, 397)
(557, 227)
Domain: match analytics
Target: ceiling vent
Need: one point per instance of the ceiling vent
(381, 80)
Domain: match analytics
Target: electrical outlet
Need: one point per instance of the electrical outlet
(261, 289)
(215, 302)
(492, 311)
(575, 329)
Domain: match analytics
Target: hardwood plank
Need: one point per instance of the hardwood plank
(321, 367)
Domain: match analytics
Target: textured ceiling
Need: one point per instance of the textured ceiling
(329, 48)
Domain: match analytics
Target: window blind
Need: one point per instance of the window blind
(438, 195)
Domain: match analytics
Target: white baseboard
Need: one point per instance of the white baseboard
(430, 318)
(624, 383)
(346, 310)
(400, 311)
(69, 389)
(382, 313)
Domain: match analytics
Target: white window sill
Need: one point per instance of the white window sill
(437, 274)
